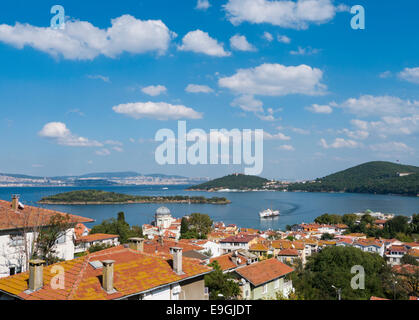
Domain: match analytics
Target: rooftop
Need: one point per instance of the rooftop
(30, 217)
(264, 271)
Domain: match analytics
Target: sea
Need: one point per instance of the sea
(295, 207)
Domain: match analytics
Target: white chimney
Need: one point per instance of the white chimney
(36, 274)
(107, 276)
(177, 260)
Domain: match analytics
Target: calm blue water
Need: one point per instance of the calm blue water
(295, 207)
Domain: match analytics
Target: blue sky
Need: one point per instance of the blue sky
(327, 96)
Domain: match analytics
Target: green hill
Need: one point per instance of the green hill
(373, 177)
(233, 181)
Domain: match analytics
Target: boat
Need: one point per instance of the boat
(269, 213)
(165, 188)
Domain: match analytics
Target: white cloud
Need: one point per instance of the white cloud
(118, 149)
(286, 14)
(200, 42)
(60, 134)
(304, 51)
(157, 110)
(248, 103)
(154, 90)
(275, 80)
(300, 131)
(283, 39)
(113, 143)
(277, 136)
(368, 105)
(196, 88)
(100, 77)
(315, 108)
(267, 36)
(202, 5)
(385, 74)
(391, 147)
(410, 75)
(103, 152)
(389, 125)
(286, 147)
(357, 135)
(80, 40)
(339, 143)
(240, 43)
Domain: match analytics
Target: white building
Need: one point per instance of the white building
(164, 225)
(19, 228)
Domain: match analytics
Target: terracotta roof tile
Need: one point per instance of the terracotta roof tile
(264, 271)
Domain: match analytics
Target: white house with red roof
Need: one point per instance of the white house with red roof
(19, 228)
(164, 225)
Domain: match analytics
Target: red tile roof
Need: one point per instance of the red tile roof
(239, 238)
(378, 298)
(264, 271)
(79, 229)
(30, 217)
(151, 246)
(288, 252)
(97, 237)
(134, 272)
(226, 261)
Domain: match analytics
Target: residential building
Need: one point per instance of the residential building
(118, 273)
(370, 245)
(263, 280)
(19, 228)
(83, 243)
(233, 243)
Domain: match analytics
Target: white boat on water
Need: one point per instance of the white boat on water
(269, 213)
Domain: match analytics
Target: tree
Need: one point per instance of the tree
(118, 226)
(221, 285)
(332, 267)
(408, 259)
(200, 225)
(327, 236)
(48, 237)
(395, 225)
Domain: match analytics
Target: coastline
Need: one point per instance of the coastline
(128, 202)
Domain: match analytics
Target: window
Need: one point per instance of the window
(265, 289)
(16, 240)
(61, 238)
(12, 271)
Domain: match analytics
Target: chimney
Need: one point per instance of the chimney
(36, 274)
(177, 260)
(15, 202)
(107, 276)
(136, 244)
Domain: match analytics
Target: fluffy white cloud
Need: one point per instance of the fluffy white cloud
(277, 136)
(248, 103)
(300, 131)
(391, 147)
(286, 14)
(304, 51)
(103, 152)
(202, 5)
(275, 80)
(99, 77)
(410, 74)
(315, 108)
(357, 134)
(339, 143)
(200, 42)
(283, 39)
(80, 40)
(157, 110)
(60, 134)
(196, 88)
(390, 125)
(368, 105)
(267, 36)
(286, 147)
(154, 90)
(240, 43)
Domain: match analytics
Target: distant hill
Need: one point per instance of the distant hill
(373, 177)
(233, 181)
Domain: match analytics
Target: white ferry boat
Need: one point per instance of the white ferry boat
(268, 213)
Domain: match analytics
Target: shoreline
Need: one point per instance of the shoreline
(127, 202)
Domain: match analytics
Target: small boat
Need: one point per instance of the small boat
(269, 213)
(165, 188)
